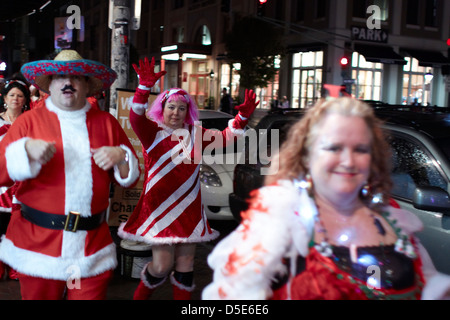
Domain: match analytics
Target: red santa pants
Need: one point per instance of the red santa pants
(93, 288)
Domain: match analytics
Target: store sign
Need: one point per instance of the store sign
(370, 35)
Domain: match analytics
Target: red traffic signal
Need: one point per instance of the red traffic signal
(448, 42)
(261, 7)
(344, 62)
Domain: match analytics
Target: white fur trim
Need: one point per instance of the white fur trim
(245, 262)
(77, 161)
(57, 268)
(237, 132)
(145, 281)
(134, 172)
(78, 174)
(66, 113)
(138, 108)
(142, 87)
(19, 166)
(161, 241)
(180, 285)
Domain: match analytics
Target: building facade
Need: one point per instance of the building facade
(398, 50)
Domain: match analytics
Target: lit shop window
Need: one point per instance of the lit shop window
(367, 76)
(417, 83)
(307, 78)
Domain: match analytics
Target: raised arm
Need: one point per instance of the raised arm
(147, 79)
(236, 126)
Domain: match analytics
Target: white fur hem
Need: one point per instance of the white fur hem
(162, 241)
(134, 172)
(57, 268)
(19, 166)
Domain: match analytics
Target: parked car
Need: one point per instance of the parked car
(420, 142)
(216, 179)
(247, 177)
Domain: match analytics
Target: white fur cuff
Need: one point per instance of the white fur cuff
(138, 108)
(237, 132)
(134, 172)
(19, 166)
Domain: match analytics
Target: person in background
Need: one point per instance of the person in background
(64, 156)
(15, 100)
(169, 214)
(226, 103)
(284, 103)
(323, 226)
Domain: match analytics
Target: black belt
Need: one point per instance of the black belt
(72, 222)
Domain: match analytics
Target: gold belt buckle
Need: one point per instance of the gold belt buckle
(72, 221)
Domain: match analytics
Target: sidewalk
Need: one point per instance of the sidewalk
(122, 288)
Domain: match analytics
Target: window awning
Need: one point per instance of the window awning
(426, 58)
(380, 54)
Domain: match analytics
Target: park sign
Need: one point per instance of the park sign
(369, 35)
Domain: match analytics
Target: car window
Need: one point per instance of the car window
(412, 166)
(215, 123)
(275, 133)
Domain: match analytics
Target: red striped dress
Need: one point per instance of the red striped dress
(170, 208)
(6, 193)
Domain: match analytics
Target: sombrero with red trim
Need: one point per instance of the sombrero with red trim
(69, 62)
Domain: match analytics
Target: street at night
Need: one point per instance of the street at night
(314, 136)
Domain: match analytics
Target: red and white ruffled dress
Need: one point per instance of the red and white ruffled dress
(170, 209)
(6, 193)
(271, 256)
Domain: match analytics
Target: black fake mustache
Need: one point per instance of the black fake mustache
(68, 87)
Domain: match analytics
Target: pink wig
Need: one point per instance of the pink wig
(156, 111)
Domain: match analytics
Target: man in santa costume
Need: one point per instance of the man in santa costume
(64, 157)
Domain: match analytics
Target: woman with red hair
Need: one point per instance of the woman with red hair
(169, 215)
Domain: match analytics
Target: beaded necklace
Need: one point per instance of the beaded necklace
(402, 245)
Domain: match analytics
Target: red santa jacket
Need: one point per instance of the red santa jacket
(71, 181)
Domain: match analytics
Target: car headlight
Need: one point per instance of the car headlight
(209, 177)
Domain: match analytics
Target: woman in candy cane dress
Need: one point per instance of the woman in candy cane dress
(169, 215)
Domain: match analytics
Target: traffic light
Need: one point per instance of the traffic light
(344, 62)
(446, 68)
(346, 73)
(261, 9)
(345, 67)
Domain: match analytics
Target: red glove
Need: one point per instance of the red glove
(245, 110)
(147, 79)
(248, 107)
(146, 73)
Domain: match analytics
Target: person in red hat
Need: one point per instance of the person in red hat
(64, 157)
(169, 214)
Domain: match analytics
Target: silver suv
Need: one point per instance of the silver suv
(421, 173)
